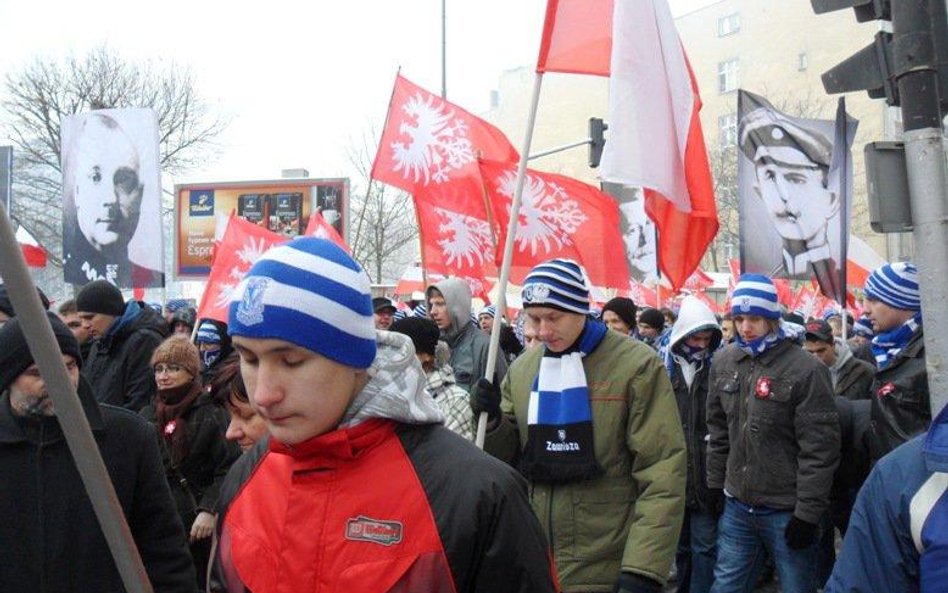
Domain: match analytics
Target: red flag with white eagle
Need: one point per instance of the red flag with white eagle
(429, 148)
(242, 244)
(33, 252)
(559, 217)
(318, 227)
(655, 137)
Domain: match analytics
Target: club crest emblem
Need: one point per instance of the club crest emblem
(745, 304)
(561, 433)
(250, 308)
(763, 389)
(536, 293)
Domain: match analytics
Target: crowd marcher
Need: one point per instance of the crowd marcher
(898, 536)
(196, 457)
(80, 329)
(213, 343)
(246, 426)
(183, 320)
(727, 328)
(774, 444)
(449, 305)
(361, 488)
(52, 537)
(687, 355)
(669, 315)
(125, 334)
(650, 326)
(619, 315)
(861, 341)
(899, 393)
(451, 399)
(852, 378)
(485, 318)
(6, 305)
(172, 306)
(591, 418)
(385, 311)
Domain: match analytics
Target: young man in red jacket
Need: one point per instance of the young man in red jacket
(361, 488)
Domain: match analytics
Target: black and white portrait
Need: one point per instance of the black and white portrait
(637, 230)
(111, 198)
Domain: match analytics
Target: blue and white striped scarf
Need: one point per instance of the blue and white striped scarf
(887, 345)
(762, 344)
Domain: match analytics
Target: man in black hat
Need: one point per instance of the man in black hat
(55, 540)
(792, 164)
(125, 336)
(384, 312)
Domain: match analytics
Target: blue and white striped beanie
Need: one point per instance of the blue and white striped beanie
(488, 310)
(420, 311)
(399, 314)
(173, 305)
(559, 284)
(310, 293)
(895, 285)
(755, 294)
(863, 327)
(207, 333)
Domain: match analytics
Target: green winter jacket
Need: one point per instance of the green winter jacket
(628, 519)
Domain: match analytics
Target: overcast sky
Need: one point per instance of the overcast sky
(301, 81)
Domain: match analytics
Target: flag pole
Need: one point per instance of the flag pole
(508, 253)
(75, 425)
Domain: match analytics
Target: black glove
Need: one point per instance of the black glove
(635, 583)
(800, 534)
(485, 397)
(715, 500)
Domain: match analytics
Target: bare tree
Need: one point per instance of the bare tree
(38, 97)
(384, 228)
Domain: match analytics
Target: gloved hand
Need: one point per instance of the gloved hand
(715, 501)
(635, 583)
(800, 534)
(485, 397)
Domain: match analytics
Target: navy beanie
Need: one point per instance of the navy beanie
(15, 355)
(310, 293)
(559, 284)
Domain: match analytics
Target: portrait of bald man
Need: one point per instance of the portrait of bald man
(111, 198)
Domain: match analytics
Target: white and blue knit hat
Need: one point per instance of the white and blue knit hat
(895, 285)
(559, 284)
(207, 333)
(420, 311)
(310, 293)
(488, 310)
(755, 294)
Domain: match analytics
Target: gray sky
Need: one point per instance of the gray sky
(302, 81)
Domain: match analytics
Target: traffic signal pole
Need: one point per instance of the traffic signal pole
(915, 70)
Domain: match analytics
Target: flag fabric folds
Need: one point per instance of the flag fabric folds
(318, 227)
(33, 253)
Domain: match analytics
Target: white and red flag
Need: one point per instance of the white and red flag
(33, 252)
(429, 148)
(558, 217)
(655, 140)
(242, 244)
(318, 227)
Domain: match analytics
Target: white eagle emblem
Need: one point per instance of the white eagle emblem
(465, 240)
(548, 216)
(437, 145)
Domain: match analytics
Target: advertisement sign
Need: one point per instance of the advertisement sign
(282, 206)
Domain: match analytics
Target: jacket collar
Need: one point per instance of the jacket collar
(11, 431)
(338, 446)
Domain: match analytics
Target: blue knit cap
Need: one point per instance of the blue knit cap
(173, 305)
(420, 311)
(755, 294)
(863, 327)
(488, 310)
(310, 293)
(207, 333)
(895, 285)
(557, 283)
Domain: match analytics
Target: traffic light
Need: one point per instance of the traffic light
(596, 140)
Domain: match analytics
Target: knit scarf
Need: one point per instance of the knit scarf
(762, 344)
(559, 420)
(887, 345)
(170, 408)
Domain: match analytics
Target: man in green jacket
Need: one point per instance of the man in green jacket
(592, 419)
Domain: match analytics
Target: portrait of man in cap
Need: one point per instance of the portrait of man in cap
(791, 187)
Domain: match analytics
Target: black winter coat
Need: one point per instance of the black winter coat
(118, 368)
(855, 379)
(900, 401)
(692, 408)
(51, 538)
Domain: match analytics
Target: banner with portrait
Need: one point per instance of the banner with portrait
(112, 225)
(794, 185)
(638, 232)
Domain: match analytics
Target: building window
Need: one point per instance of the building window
(802, 61)
(729, 75)
(727, 130)
(729, 24)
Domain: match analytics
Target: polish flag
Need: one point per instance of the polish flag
(860, 262)
(33, 253)
(655, 138)
(318, 227)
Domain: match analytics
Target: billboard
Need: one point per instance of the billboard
(282, 206)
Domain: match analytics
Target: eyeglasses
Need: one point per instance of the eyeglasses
(168, 368)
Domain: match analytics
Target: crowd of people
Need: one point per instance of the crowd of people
(322, 440)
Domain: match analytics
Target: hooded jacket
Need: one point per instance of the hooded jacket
(852, 378)
(469, 345)
(389, 501)
(118, 368)
(690, 380)
(897, 540)
(53, 539)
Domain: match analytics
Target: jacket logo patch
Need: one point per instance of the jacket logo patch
(886, 389)
(366, 529)
(763, 389)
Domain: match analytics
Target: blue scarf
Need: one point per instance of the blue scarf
(559, 420)
(887, 345)
(762, 344)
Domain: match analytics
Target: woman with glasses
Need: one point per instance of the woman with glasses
(196, 456)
